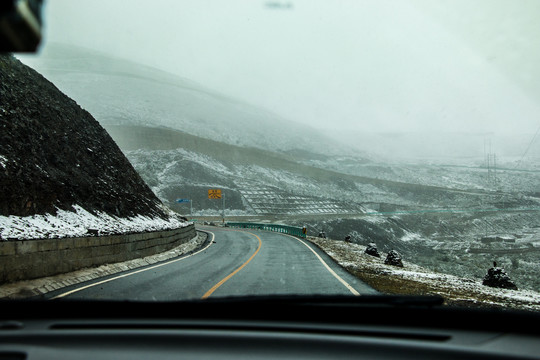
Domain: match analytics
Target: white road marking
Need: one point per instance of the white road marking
(349, 287)
(134, 272)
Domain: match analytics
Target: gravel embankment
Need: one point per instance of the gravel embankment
(416, 280)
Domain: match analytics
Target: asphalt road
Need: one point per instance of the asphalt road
(234, 263)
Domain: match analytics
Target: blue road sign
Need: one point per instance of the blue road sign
(182, 200)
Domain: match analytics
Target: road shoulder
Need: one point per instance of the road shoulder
(40, 287)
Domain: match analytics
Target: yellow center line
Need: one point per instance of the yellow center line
(215, 287)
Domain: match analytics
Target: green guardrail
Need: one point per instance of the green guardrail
(284, 229)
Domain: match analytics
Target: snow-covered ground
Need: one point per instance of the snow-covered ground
(78, 223)
(455, 290)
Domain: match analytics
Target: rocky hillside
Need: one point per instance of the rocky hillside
(54, 155)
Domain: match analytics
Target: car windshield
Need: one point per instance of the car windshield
(183, 150)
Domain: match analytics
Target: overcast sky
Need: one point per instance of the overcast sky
(457, 65)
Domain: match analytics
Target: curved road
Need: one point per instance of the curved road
(234, 263)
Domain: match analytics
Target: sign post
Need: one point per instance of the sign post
(223, 210)
(217, 194)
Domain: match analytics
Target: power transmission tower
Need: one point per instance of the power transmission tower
(491, 165)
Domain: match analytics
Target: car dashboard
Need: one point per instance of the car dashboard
(261, 329)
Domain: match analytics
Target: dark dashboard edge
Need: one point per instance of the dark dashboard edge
(280, 310)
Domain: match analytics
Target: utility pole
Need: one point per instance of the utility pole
(490, 160)
(223, 209)
(489, 164)
(495, 169)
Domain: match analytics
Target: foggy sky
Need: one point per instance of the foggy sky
(456, 65)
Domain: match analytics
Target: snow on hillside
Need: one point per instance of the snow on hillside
(77, 223)
(262, 190)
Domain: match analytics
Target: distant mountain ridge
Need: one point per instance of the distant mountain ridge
(120, 92)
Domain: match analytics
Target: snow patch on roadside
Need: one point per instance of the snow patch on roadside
(352, 256)
(77, 223)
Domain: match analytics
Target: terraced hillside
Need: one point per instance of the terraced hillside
(179, 165)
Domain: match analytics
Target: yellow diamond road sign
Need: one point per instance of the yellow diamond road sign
(214, 193)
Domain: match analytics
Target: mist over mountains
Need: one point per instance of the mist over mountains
(513, 149)
(120, 92)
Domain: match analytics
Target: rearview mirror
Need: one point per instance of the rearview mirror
(20, 25)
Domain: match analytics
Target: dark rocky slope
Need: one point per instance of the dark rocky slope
(54, 154)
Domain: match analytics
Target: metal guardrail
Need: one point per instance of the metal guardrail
(284, 229)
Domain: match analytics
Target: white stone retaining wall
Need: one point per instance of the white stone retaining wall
(30, 259)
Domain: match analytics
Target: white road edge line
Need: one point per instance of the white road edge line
(134, 272)
(349, 287)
